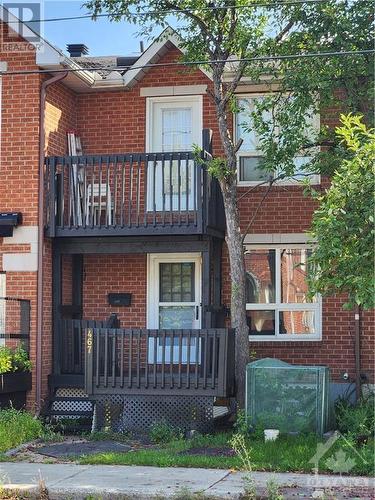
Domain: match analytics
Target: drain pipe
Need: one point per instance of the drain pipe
(39, 317)
(357, 351)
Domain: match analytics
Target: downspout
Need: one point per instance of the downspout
(39, 318)
(357, 351)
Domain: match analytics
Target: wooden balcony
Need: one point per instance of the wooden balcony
(131, 194)
(140, 361)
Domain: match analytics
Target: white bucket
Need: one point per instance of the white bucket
(271, 434)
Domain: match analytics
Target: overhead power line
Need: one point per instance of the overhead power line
(193, 63)
(181, 11)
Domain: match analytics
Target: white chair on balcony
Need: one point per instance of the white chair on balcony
(98, 201)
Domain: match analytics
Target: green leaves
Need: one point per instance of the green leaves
(343, 225)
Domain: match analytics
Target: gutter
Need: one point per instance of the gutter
(39, 320)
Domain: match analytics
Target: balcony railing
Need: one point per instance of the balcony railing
(131, 194)
(179, 362)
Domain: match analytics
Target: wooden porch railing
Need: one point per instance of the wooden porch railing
(72, 348)
(178, 362)
(131, 194)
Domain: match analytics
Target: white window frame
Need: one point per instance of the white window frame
(279, 306)
(314, 178)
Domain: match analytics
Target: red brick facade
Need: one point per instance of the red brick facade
(113, 122)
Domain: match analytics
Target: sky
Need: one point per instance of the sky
(102, 37)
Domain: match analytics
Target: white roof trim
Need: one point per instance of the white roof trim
(153, 53)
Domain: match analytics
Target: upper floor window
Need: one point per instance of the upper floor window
(250, 154)
(277, 301)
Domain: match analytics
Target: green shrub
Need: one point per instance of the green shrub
(14, 360)
(358, 419)
(17, 427)
(162, 432)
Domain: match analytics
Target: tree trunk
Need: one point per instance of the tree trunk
(238, 281)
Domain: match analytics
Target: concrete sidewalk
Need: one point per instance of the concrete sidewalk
(71, 481)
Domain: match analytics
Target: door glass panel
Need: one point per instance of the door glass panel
(176, 317)
(297, 322)
(260, 276)
(294, 269)
(177, 282)
(176, 129)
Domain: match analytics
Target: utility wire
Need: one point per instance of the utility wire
(191, 63)
(181, 11)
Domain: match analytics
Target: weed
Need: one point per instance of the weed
(17, 427)
(162, 432)
(273, 491)
(356, 420)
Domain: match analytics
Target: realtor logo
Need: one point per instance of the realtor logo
(24, 21)
(340, 462)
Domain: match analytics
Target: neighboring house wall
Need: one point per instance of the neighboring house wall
(19, 174)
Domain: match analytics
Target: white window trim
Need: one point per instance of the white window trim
(280, 306)
(195, 100)
(315, 179)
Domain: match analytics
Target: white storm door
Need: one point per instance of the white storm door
(174, 124)
(174, 300)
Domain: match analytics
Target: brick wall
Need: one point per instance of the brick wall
(19, 163)
(115, 273)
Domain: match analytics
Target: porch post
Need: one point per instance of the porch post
(206, 289)
(56, 315)
(218, 319)
(77, 284)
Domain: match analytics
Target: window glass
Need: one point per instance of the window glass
(261, 322)
(250, 169)
(297, 322)
(177, 282)
(244, 123)
(260, 267)
(294, 286)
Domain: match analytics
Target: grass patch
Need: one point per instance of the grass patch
(17, 427)
(287, 454)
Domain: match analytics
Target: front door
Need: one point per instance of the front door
(174, 302)
(174, 291)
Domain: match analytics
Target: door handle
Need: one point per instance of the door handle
(196, 312)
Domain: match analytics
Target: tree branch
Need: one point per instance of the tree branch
(257, 210)
(284, 31)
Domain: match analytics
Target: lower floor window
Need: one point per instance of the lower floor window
(278, 305)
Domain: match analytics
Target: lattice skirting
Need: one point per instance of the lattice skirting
(138, 413)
